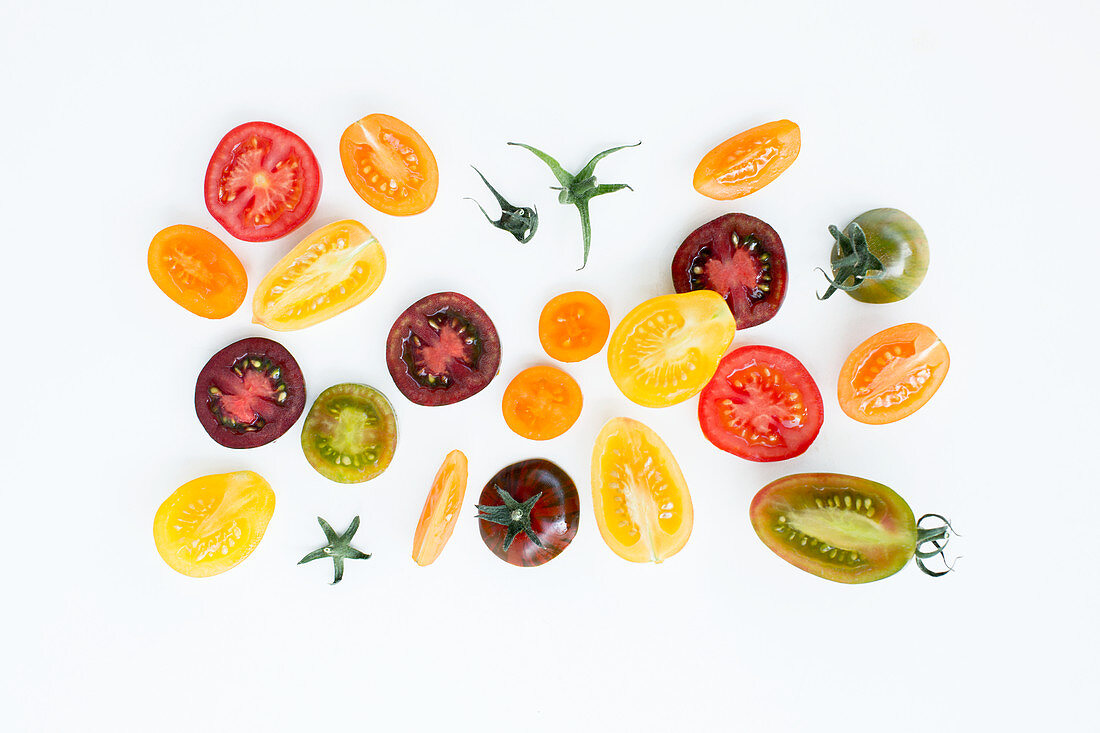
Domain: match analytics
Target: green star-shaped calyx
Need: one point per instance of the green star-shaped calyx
(338, 548)
(514, 515)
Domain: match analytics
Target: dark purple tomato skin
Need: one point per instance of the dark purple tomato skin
(554, 516)
(742, 259)
(277, 369)
(449, 338)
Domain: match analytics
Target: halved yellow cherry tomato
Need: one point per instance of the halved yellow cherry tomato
(212, 523)
(198, 271)
(437, 520)
(748, 161)
(668, 348)
(573, 326)
(541, 403)
(389, 165)
(334, 268)
(641, 500)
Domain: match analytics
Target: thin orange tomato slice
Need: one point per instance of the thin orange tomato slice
(667, 349)
(212, 523)
(334, 268)
(892, 374)
(437, 520)
(573, 326)
(748, 161)
(198, 271)
(541, 403)
(641, 500)
(389, 165)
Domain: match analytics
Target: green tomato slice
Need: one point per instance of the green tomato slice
(350, 433)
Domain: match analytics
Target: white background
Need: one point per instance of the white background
(978, 119)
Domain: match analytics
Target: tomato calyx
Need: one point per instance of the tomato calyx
(338, 548)
(856, 262)
(937, 537)
(519, 221)
(514, 515)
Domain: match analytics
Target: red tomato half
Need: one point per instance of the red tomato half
(762, 405)
(263, 182)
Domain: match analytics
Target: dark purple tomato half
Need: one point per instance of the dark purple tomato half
(742, 259)
(442, 349)
(529, 512)
(249, 393)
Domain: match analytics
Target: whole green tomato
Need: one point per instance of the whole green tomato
(880, 257)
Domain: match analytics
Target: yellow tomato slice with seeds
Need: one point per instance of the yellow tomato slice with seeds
(641, 500)
(334, 268)
(212, 523)
(667, 349)
(440, 514)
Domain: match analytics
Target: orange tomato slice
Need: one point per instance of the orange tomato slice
(334, 268)
(892, 374)
(198, 271)
(748, 161)
(212, 523)
(573, 326)
(641, 500)
(437, 520)
(389, 165)
(541, 403)
(667, 349)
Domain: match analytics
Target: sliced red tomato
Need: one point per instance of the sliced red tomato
(389, 165)
(762, 405)
(263, 182)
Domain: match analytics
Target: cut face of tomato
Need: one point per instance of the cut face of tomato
(442, 349)
(892, 374)
(389, 165)
(212, 523)
(440, 514)
(196, 270)
(573, 326)
(762, 405)
(263, 182)
(541, 403)
(249, 393)
(667, 348)
(350, 433)
(748, 161)
(641, 500)
(334, 268)
(739, 257)
(841, 528)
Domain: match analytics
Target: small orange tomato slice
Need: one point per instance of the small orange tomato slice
(389, 165)
(212, 523)
(748, 161)
(892, 374)
(573, 326)
(195, 269)
(331, 270)
(640, 497)
(668, 348)
(437, 520)
(541, 403)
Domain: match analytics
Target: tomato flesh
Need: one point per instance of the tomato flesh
(541, 403)
(838, 527)
(389, 165)
(350, 433)
(553, 516)
(441, 508)
(573, 326)
(748, 161)
(198, 271)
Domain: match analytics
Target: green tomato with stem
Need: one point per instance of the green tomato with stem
(880, 257)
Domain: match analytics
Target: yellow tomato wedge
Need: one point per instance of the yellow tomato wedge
(437, 520)
(334, 268)
(668, 348)
(212, 523)
(640, 497)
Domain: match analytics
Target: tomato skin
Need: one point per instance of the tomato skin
(350, 433)
(900, 244)
(259, 164)
(761, 405)
(748, 161)
(440, 513)
(389, 165)
(198, 271)
(541, 403)
(892, 374)
(869, 532)
(573, 326)
(554, 516)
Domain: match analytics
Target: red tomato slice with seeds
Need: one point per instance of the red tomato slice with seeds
(263, 182)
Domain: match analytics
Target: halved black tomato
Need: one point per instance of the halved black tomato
(529, 512)
(249, 393)
(442, 349)
(350, 433)
(741, 258)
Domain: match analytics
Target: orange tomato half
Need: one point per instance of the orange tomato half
(197, 270)
(748, 161)
(541, 403)
(437, 520)
(389, 165)
(573, 326)
(334, 268)
(892, 374)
